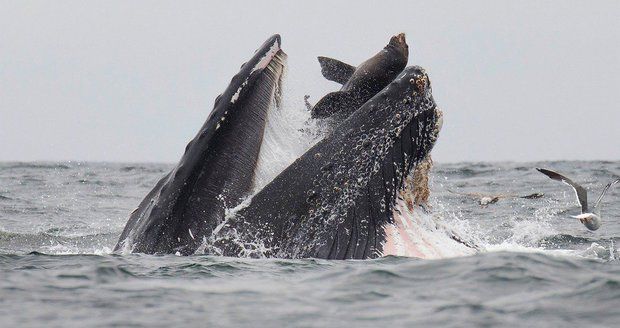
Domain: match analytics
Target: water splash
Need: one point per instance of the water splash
(289, 133)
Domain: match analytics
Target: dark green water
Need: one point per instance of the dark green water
(59, 222)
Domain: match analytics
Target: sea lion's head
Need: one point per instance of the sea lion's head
(398, 43)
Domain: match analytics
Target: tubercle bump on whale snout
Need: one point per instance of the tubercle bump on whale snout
(413, 81)
(410, 75)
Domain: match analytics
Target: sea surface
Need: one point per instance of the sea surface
(540, 268)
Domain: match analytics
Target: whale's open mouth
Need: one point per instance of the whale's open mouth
(350, 196)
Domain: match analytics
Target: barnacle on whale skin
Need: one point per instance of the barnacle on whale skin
(417, 192)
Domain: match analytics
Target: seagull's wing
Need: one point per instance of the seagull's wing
(530, 196)
(582, 193)
(598, 201)
(533, 196)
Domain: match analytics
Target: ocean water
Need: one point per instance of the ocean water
(540, 268)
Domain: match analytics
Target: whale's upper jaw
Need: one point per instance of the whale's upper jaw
(405, 119)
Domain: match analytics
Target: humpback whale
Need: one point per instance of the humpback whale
(361, 83)
(217, 169)
(347, 197)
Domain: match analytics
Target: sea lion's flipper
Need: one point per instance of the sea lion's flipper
(333, 102)
(335, 70)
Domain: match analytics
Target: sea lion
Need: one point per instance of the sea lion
(361, 83)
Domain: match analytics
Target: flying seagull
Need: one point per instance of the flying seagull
(486, 199)
(592, 220)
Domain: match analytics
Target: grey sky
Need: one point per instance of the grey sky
(133, 81)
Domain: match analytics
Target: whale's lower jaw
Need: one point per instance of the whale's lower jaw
(219, 165)
(413, 231)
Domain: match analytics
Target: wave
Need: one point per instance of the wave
(35, 165)
(51, 242)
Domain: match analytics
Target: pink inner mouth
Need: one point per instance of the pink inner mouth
(399, 242)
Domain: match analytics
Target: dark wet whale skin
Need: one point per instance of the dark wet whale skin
(216, 170)
(334, 200)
